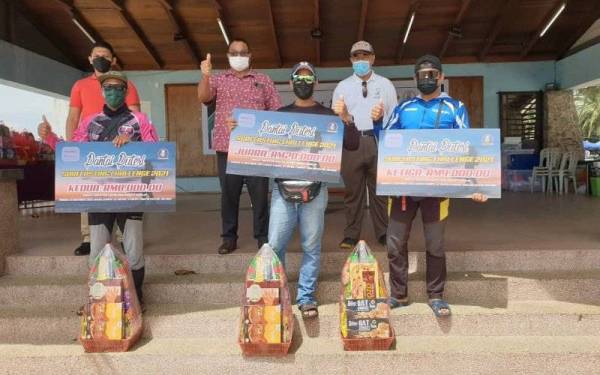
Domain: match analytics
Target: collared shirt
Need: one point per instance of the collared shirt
(252, 91)
(86, 95)
(378, 88)
(416, 113)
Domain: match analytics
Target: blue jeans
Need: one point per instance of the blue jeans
(283, 220)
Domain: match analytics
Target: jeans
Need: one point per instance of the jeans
(283, 220)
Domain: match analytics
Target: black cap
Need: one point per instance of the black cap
(304, 65)
(428, 61)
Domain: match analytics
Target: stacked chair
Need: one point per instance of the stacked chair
(554, 168)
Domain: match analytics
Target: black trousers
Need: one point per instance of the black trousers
(231, 189)
(434, 212)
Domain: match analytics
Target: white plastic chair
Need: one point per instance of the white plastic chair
(555, 181)
(549, 160)
(569, 173)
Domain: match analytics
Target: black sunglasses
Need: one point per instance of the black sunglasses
(364, 89)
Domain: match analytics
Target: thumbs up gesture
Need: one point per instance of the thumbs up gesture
(340, 109)
(44, 128)
(377, 111)
(206, 66)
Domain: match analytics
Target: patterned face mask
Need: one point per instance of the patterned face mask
(114, 95)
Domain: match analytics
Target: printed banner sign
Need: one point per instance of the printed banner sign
(286, 145)
(454, 163)
(98, 177)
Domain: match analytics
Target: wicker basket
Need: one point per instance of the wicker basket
(105, 346)
(369, 344)
(265, 350)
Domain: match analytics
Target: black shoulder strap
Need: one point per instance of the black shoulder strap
(439, 113)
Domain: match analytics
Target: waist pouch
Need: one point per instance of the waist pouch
(295, 192)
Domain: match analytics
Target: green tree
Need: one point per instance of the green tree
(587, 103)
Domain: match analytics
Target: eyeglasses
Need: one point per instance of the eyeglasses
(238, 53)
(428, 74)
(365, 92)
(114, 87)
(309, 80)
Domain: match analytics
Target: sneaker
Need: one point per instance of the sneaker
(348, 243)
(228, 246)
(382, 240)
(83, 249)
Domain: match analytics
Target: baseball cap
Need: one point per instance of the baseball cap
(114, 74)
(362, 46)
(304, 65)
(428, 61)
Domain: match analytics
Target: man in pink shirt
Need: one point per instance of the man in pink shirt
(238, 87)
(86, 99)
(118, 124)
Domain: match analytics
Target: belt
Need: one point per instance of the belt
(366, 133)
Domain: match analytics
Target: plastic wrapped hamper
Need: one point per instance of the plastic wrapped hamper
(112, 318)
(266, 317)
(364, 311)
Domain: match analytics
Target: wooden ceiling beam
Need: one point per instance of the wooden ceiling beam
(464, 6)
(362, 24)
(580, 30)
(137, 30)
(536, 34)
(271, 21)
(76, 16)
(180, 32)
(414, 6)
(57, 42)
(501, 18)
(317, 26)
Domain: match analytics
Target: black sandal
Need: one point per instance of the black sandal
(309, 310)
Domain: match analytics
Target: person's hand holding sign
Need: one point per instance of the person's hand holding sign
(120, 140)
(377, 111)
(231, 123)
(206, 66)
(340, 109)
(44, 128)
(479, 198)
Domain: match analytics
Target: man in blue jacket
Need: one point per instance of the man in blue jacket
(432, 109)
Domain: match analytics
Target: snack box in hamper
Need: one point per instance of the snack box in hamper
(104, 314)
(367, 308)
(263, 293)
(364, 281)
(262, 333)
(260, 314)
(365, 318)
(368, 328)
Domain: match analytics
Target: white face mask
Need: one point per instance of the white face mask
(239, 63)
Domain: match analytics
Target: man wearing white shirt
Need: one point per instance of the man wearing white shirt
(360, 92)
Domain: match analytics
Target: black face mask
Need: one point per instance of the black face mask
(427, 86)
(101, 64)
(303, 90)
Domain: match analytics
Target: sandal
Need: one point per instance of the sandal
(309, 310)
(438, 306)
(398, 302)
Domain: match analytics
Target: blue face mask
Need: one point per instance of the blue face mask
(361, 68)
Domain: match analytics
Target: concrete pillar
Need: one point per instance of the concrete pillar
(562, 124)
(9, 213)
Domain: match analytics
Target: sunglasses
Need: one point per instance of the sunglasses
(114, 87)
(365, 92)
(309, 80)
(428, 74)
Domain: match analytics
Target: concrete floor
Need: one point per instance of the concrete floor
(517, 221)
